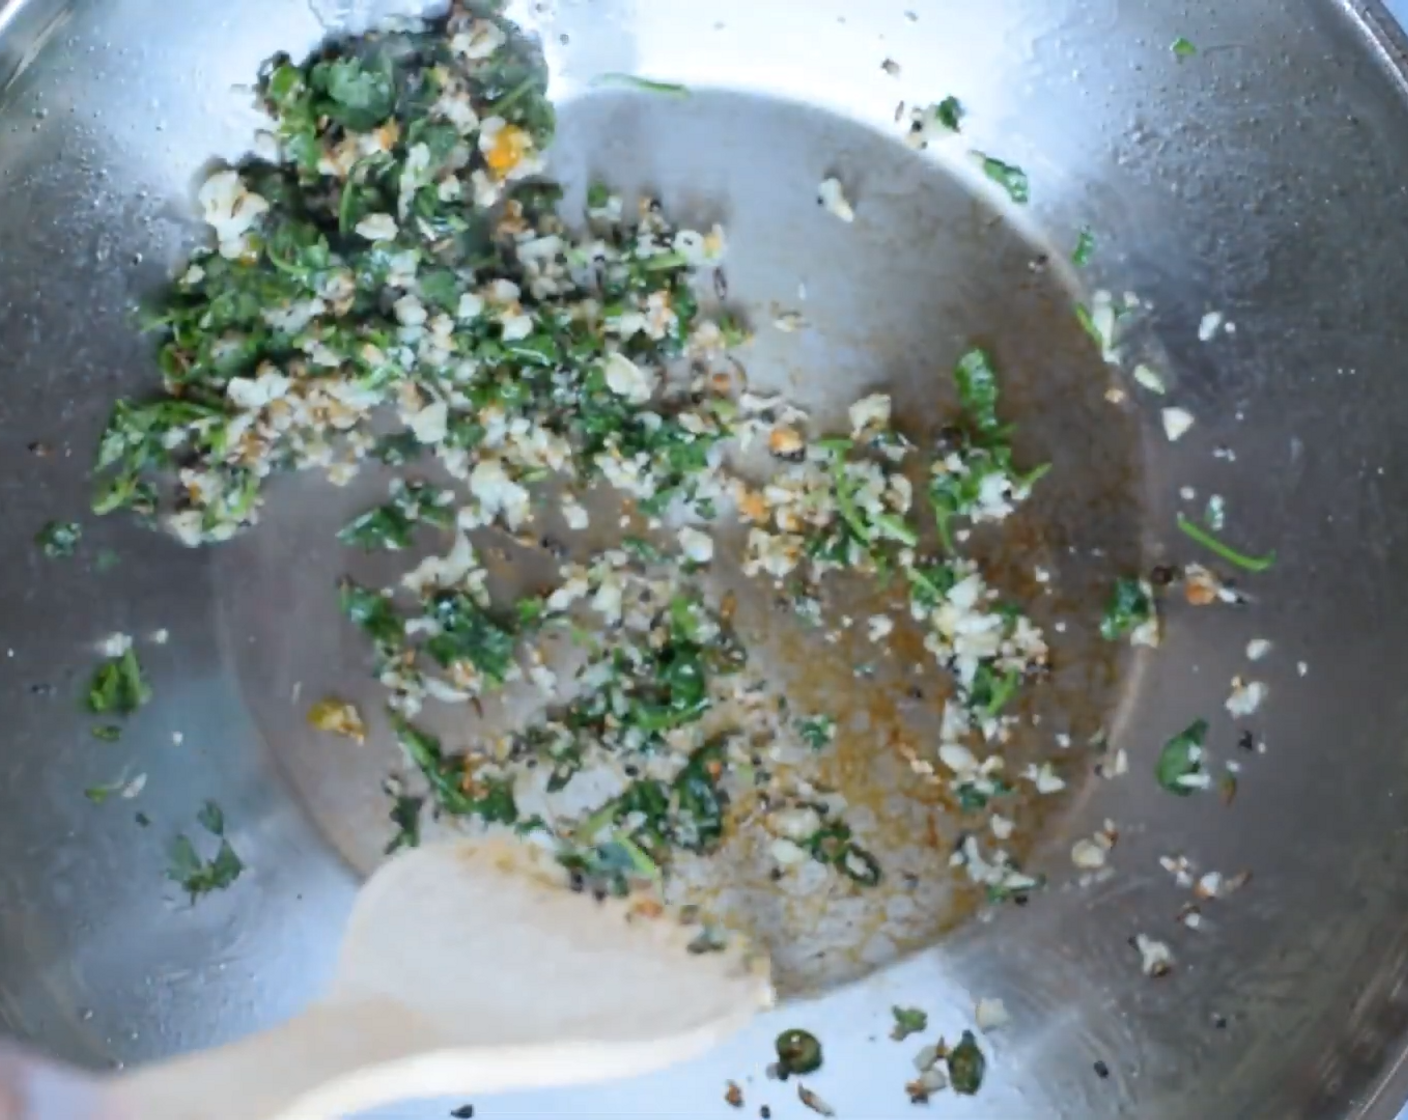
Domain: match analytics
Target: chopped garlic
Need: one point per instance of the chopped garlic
(1155, 957)
(1150, 379)
(1177, 421)
(1209, 325)
(990, 1014)
(1246, 697)
(378, 227)
(697, 546)
(832, 196)
(626, 379)
(870, 413)
(231, 209)
(1258, 648)
(880, 626)
(115, 645)
(1087, 855)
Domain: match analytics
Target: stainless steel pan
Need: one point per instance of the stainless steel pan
(1261, 178)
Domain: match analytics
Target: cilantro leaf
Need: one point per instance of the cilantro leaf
(359, 94)
(798, 1052)
(1084, 250)
(469, 634)
(1182, 759)
(118, 686)
(646, 85)
(376, 617)
(198, 877)
(1231, 555)
(456, 790)
(1131, 605)
(383, 527)
(1008, 176)
(950, 113)
(977, 390)
(908, 1021)
(966, 1066)
(818, 732)
(211, 818)
(405, 815)
(59, 539)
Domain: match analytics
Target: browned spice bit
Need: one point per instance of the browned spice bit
(40, 449)
(899, 112)
(814, 1102)
(720, 283)
(1227, 788)
(734, 1095)
(1200, 586)
(891, 67)
(785, 442)
(1236, 882)
(765, 1113)
(918, 1092)
(339, 717)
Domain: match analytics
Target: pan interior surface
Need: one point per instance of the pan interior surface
(885, 304)
(1251, 174)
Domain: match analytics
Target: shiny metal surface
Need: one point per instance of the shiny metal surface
(1262, 178)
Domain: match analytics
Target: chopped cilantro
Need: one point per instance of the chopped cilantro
(375, 615)
(359, 94)
(405, 815)
(977, 391)
(1085, 248)
(950, 113)
(59, 539)
(118, 686)
(107, 732)
(647, 85)
(98, 794)
(832, 844)
(798, 1052)
(1182, 759)
(199, 877)
(992, 691)
(211, 818)
(1009, 177)
(457, 790)
(1231, 555)
(1131, 605)
(966, 1066)
(1183, 48)
(469, 635)
(908, 1021)
(643, 550)
(818, 732)
(598, 196)
(398, 449)
(383, 527)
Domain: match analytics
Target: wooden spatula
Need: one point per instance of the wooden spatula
(467, 968)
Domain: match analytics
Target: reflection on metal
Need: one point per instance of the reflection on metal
(1258, 179)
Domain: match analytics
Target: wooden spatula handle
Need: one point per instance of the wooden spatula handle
(329, 1061)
